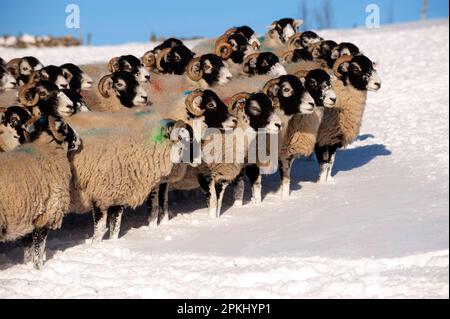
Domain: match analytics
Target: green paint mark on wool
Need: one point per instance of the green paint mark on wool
(27, 150)
(159, 136)
(142, 113)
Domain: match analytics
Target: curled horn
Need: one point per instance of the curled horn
(301, 74)
(229, 32)
(23, 99)
(113, 64)
(339, 61)
(149, 59)
(235, 98)
(159, 57)
(267, 90)
(288, 56)
(30, 128)
(294, 42)
(247, 60)
(52, 126)
(101, 85)
(192, 72)
(223, 48)
(194, 109)
(13, 67)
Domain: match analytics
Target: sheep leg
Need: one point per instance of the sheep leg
(239, 187)
(254, 176)
(325, 156)
(285, 172)
(164, 202)
(208, 186)
(27, 242)
(100, 218)
(220, 191)
(115, 220)
(153, 207)
(39, 240)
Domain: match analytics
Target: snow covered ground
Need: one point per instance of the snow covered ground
(381, 230)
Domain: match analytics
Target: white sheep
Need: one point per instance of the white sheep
(34, 183)
(341, 124)
(118, 167)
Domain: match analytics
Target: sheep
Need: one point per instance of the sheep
(53, 74)
(279, 33)
(203, 105)
(174, 60)
(131, 64)
(303, 40)
(149, 58)
(233, 44)
(302, 130)
(290, 99)
(253, 111)
(34, 185)
(78, 80)
(13, 120)
(22, 68)
(116, 92)
(46, 98)
(341, 125)
(118, 167)
(7, 81)
(263, 63)
(206, 71)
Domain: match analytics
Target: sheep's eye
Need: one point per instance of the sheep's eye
(264, 63)
(25, 68)
(286, 90)
(211, 105)
(42, 94)
(207, 67)
(138, 73)
(177, 58)
(119, 85)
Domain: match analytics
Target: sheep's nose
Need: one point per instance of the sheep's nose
(13, 83)
(333, 99)
(144, 98)
(64, 86)
(147, 77)
(234, 121)
(229, 77)
(378, 84)
(278, 125)
(311, 104)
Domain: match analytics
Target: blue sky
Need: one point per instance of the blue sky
(114, 21)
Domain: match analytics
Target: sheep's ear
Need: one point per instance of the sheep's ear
(13, 67)
(272, 26)
(67, 75)
(126, 66)
(356, 68)
(297, 23)
(343, 68)
(44, 75)
(335, 53)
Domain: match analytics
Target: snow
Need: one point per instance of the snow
(82, 54)
(381, 230)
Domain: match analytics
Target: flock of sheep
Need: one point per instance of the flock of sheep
(99, 138)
